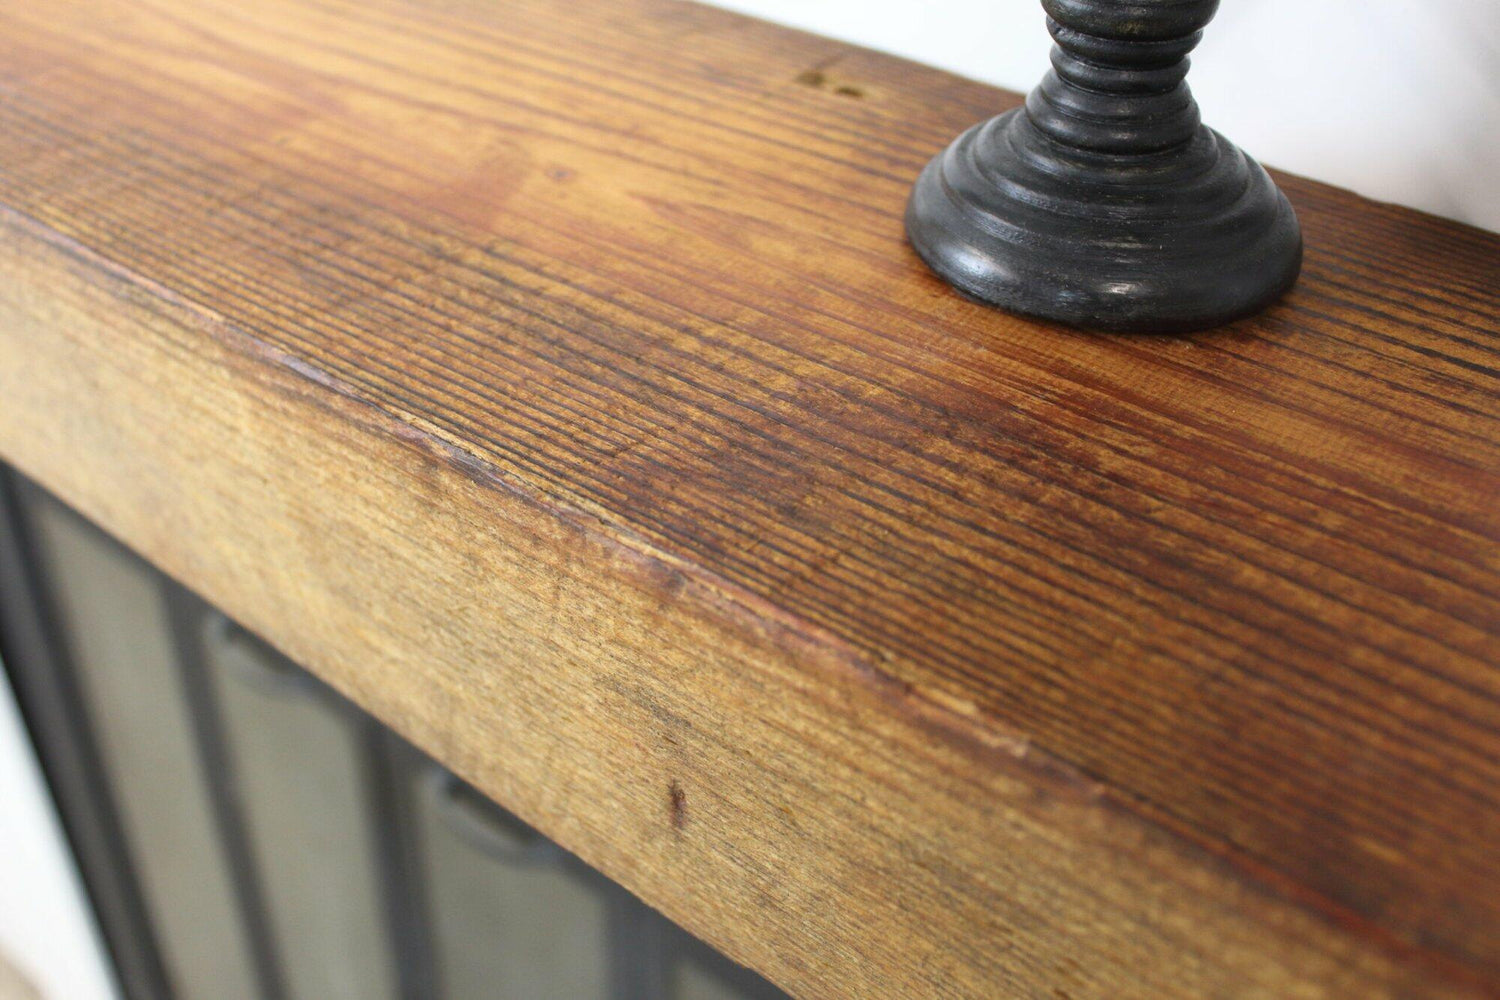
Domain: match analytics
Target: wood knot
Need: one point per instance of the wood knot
(820, 80)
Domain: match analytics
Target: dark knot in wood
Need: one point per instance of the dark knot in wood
(1105, 202)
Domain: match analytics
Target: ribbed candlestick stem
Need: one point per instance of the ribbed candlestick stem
(1105, 202)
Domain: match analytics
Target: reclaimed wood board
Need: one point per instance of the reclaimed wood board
(553, 379)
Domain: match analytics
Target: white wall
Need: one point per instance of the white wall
(1397, 99)
(46, 928)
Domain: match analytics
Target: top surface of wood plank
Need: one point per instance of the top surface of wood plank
(644, 260)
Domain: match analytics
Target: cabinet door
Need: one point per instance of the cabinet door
(120, 641)
(512, 918)
(300, 768)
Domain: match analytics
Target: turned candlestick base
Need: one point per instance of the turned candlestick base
(1104, 202)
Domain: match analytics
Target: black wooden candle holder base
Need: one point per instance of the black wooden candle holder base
(1105, 202)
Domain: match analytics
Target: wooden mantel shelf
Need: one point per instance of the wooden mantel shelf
(553, 378)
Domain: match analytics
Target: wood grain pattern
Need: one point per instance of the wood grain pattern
(554, 380)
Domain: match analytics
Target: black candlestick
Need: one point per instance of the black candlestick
(1105, 202)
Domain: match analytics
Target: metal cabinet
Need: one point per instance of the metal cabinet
(245, 832)
(515, 917)
(512, 919)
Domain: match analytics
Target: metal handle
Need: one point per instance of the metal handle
(251, 662)
(485, 826)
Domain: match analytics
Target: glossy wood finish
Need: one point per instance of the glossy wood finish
(554, 380)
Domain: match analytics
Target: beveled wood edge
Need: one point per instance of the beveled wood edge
(255, 480)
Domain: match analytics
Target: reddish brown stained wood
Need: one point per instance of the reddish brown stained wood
(637, 267)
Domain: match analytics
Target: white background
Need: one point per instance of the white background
(1397, 99)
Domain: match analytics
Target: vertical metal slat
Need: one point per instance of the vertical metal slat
(36, 659)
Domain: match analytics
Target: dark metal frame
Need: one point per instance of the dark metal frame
(36, 661)
(186, 612)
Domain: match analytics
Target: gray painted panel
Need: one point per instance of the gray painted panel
(302, 790)
(119, 637)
